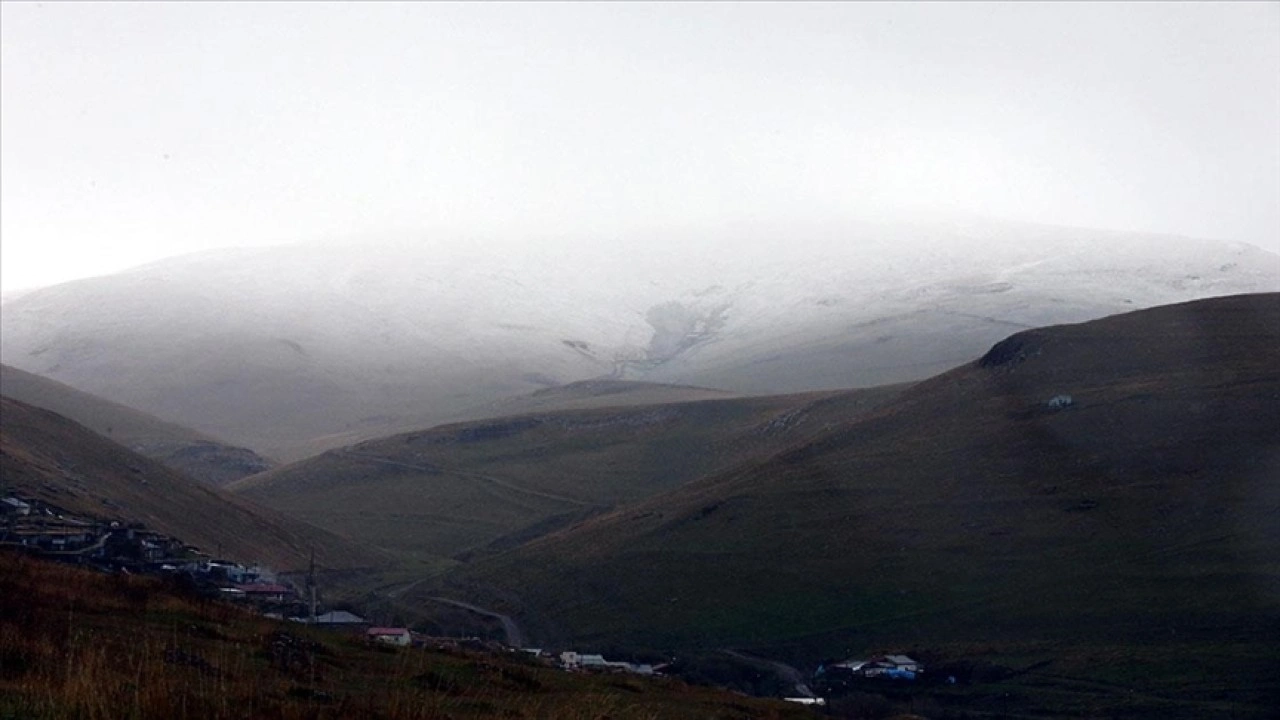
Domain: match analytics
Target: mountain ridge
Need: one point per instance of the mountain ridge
(968, 509)
(51, 458)
(180, 448)
(294, 349)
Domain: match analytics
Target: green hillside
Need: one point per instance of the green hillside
(1117, 534)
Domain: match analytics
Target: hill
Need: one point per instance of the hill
(50, 458)
(473, 488)
(85, 645)
(1098, 499)
(580, 395)
(272, 348)
(180, 448)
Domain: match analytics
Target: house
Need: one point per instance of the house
(14, 506)
(592, 662)
(1058, 402)
(390, 636)
(891, 666)
(153, 550)
(233, 572)
(569, 659)
(266, 592)
(334, 619)
(902, 662)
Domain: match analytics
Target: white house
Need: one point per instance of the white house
(902, 662)
(390, 636)
(878, 666)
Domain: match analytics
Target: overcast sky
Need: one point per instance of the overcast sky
(132, 132)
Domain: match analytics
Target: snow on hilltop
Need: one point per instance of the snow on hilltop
(273, 347)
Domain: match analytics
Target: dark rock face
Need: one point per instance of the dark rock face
(211, 463)
(1011, 351)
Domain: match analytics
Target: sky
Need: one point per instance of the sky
(131, 132)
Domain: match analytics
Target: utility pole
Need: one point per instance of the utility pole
(311, 584)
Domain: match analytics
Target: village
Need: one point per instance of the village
(47, 531)
(44, 530)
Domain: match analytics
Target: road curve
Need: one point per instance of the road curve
(515, 638)
(783, 670)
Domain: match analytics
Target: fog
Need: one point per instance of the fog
(134, 132)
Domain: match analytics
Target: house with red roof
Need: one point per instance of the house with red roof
(266, 592)
(390, 636)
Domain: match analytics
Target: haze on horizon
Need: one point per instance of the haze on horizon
(132, 132)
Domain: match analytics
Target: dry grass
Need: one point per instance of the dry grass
(75, 644)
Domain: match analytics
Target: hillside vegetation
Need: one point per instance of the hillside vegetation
(580, 395)
(474, 488)
(76, 644)
(50, 458)
(180, 448)
(1102, 496)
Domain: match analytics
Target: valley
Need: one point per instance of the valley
(1074, 502)
(639, 361)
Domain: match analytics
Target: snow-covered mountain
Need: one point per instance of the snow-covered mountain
(279, 348)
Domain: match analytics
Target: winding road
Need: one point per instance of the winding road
(515, 638)
(783, 670)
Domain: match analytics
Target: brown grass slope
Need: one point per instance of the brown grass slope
(581, 395)
(181, 448)
(470, 488)
(75, 644)
(1143, 514)
(48, 457)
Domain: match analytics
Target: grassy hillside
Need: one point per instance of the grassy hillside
(582, 395)
(48, 457)
(180, 448)
(75, 644)
(1134, 525)
(467, 489)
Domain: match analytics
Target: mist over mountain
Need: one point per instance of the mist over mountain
(182, 449)
(292, 349)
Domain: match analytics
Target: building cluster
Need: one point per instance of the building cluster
(895, 667)
(50, 532)
(46, 530)
(587, 662)
(43, 529)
